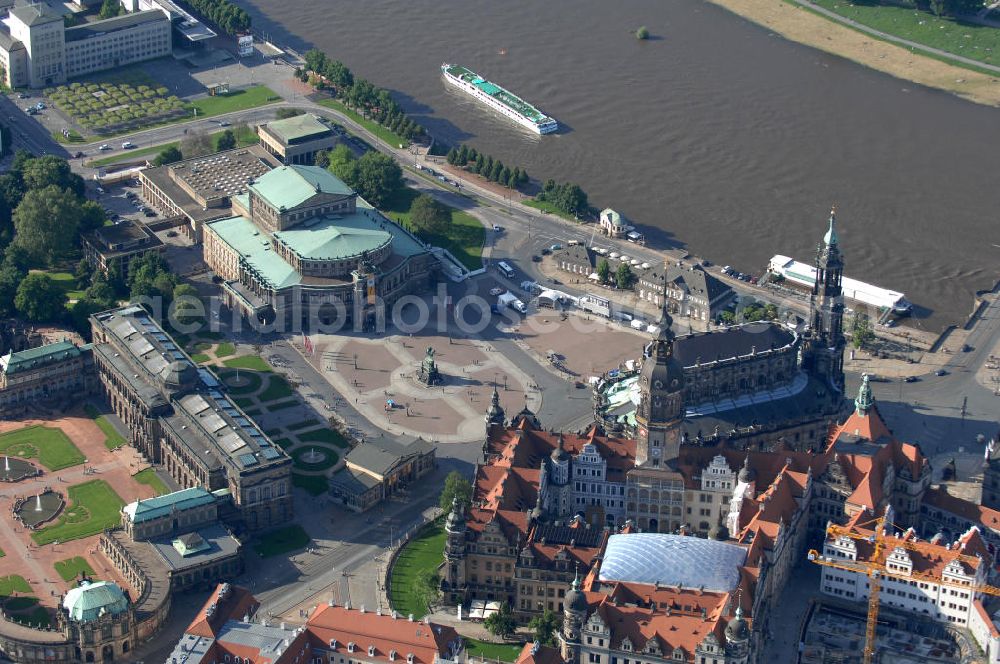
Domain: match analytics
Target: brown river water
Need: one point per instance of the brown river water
(714, 135)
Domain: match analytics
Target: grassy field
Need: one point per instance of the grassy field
(281, 541)
(303, 425)
(464, 239)
(225, 349)
(112, 439)
(238, 100)
(251, 362)
(324, 436)
(505, 652)
(246, 137)
(94, 506)
(70, 568)
(66, 282)
(423, 552)
(149, 478)
(976, 42)
(254, 381)
(277, 388)
(375, 128)
(200, 358)
(281, 405)
(547, 207)
(51, 447)
(13, 584)
(329, 461)
(314, 485)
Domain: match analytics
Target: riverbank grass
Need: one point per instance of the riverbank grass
(464, 238)
(549, 208)
(390, 138)
(969, 40)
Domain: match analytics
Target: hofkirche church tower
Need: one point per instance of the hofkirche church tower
(661, 403)
(824, 352)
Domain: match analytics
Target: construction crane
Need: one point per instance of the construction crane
(875, 570)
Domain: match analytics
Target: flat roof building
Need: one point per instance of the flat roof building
(114, 247)
(374, 471)
(201, 189)
(297, 140)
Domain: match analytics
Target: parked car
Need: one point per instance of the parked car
(910, 379)
(497, 229)
(22, 95)
(149, 213)
(536, 258)
(224, 124)
(78, 154)
(940, 372)
(546, 251)
(104, 147)
(555, 247)
(171, 233)
(101, 190)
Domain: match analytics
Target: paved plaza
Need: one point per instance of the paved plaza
(36, 563)
(369, 372)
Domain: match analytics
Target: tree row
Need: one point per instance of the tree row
(485, 166)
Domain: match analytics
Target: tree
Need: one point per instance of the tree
(343, 164)
(41, 172)
(109, 9)
(47, 222)
(603, 271)
(196, 145)
(315, 60)
(502, 622)
(226, 141)
(427, 214)
(323, 159)
(187, 304)
(544, 627)
(168, 155)
(92, 217)
(455, 486)
(10, 279)
(40, 299)
(623, 276)
(727, 317)
(100, 291)
(642, 33)
(463, 155)
(861, 330)
(452, 156)
(426, 587)
(379, 178)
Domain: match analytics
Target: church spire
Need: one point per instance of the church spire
(831, 234)
(863, 404)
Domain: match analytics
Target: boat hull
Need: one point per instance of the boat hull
(538, 128)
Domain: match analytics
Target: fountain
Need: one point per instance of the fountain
(313, 457)
(43, 509)
(15, 469)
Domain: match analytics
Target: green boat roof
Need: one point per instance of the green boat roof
(501, 94)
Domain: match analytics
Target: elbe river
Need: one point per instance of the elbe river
(715, 135)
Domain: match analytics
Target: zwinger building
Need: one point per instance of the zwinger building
(305, 246)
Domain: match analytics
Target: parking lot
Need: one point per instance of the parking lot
(122, 201)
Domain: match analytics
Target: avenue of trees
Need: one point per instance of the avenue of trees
(487, 167)
(375, 176)
(371, 101)
(230, 18)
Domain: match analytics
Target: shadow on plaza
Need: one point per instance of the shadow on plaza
(935, 434)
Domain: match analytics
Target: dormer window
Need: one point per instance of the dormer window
(333, 643)
(392, 655)
(409, 658)
(371, 651)
(350, 647)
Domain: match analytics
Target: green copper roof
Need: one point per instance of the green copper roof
(35, 357)
(863, 403)
(90, 600)
(831, 233)
(332, 238)
(255, 249)
(286, 187)
(190, 544)
(297, 129)
(154, 508)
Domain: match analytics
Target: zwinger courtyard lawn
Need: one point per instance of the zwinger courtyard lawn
(91, 507)
(51, 447)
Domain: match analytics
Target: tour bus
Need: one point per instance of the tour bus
(505, 270)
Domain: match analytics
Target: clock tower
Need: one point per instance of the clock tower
(661, 403)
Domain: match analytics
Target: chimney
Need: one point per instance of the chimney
(411, 617)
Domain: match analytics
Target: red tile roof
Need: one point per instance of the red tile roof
(236, 604)
(941, 499)
(535, 653)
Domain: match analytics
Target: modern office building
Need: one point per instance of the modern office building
(37, 50)
(113, 247)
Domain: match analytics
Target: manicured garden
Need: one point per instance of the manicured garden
(151, 479)
(464, 238)
(976, 42)
(314, 485)
(225, 349)
(277, 388)
(71, 568)
(422, 553)
(112, 439)
(545, 206)
(123, 102)
(66, 282)
(94, 506)
(330, 436)
(13, 585)
(505, 652)
(281, 405)
(329, 458)
(281, 541)
(237, 100)
(252, 362)
(51, 447)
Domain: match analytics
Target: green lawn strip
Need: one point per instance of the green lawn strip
(237, 100)
(199, 358)
(329, 460)
(277, 388)
(464, 238)
(314, 485)
(252, 412)
(70, 568)
(281, 541)
(112, 439)
(283, 443)
(389, 137)
(2, 554)
(66, 283)
(252, 362)
(323, 436)
(20, 603)
(281, 405)
(74, 137)
(149, 477)
(423, 552)
(969, 40)
(38, 617)
(305, 424)
(51, 447)
(225, 349)
(94, 506)
(12, 584)
(243, 402)
(505, 652)
(273, 432)
(545, 206)
(130, 155)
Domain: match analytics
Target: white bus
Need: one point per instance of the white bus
(505, 269)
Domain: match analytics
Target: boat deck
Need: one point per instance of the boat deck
(502, 95)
